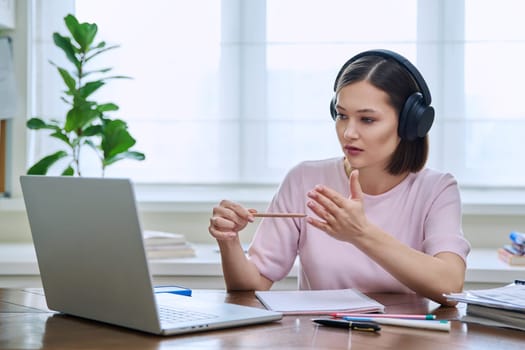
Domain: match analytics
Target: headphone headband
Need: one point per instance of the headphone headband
(414, 72)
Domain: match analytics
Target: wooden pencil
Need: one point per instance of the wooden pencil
(279, 215)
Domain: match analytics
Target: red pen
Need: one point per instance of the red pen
(402, 316)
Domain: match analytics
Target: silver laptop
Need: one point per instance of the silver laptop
(92, 262)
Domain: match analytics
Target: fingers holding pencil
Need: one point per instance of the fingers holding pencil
(228, 219)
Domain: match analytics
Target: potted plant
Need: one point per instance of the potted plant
(87, 122)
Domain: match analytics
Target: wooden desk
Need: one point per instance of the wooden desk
(26, 323)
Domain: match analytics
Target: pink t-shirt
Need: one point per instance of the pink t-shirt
(423, 212)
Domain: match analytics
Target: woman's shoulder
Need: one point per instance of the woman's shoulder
(312, 172)
(320, 164)
(428, 175)
(432, 183)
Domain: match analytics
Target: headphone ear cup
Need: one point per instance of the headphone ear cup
(426, 118)
(415, 118)
(333, 111)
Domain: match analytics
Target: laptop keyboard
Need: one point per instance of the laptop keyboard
(168, 314)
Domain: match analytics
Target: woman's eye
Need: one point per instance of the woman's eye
(367, 120)
(340, 116)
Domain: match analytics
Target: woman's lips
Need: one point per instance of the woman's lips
(353, 151)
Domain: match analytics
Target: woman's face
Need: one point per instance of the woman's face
(366, 126)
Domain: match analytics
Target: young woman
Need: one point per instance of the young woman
(377, 219)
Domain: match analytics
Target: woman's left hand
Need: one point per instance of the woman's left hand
(342, 218)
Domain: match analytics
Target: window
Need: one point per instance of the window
(233, 91)
(487, 120)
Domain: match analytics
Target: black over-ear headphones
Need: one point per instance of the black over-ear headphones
(417, 115)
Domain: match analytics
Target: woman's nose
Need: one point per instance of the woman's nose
(350, 130)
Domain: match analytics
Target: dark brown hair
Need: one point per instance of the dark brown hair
(390, 77)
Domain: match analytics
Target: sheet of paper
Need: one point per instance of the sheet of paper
(511, 296)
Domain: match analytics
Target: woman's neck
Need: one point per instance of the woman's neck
(374, 181)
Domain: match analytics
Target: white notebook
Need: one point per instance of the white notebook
(315, 302)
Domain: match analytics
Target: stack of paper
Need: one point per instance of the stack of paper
(499, 307)
(166, 245)
(315, 302)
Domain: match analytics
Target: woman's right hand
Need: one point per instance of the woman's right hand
(228, 219)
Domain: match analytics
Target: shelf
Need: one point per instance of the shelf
(484, 267)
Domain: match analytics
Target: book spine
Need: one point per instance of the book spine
(520, 248)
(511, 249)
(509, 258)
(503, 255)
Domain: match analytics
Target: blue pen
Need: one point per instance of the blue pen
(438, 325)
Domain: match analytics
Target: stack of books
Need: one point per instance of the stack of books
(513, 253)
(166, 245)
(497, 307)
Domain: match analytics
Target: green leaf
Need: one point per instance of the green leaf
(42, 166)
(37, 123)
(65, 101)
(117, 77)
(79, 117)
(90, 88)
(61, 136)
(134, 155)
(68, 79)
(83, 33)
(69, 171)
(124, 155)
(92, 130)
(71, 23)
(115, 138)
(106, 107)
(101, 51)
(104, 70)
(65, 44)
(99, 45)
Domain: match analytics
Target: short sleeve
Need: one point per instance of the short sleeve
(443, 224)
